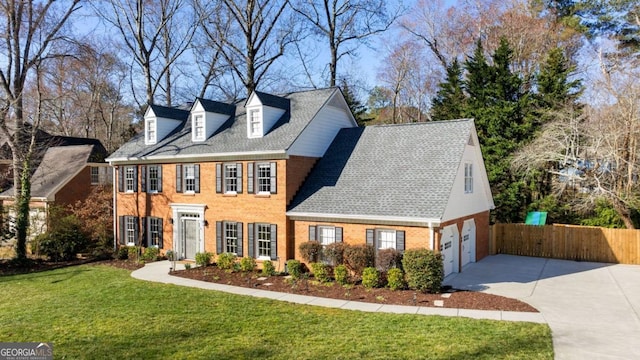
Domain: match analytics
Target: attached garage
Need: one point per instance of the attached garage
(449, 247)
(468, 252)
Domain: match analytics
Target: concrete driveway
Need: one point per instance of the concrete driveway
(593, 309)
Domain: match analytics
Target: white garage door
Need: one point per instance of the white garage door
(449, 248)
(468, 252)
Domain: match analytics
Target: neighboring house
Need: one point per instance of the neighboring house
(66, 169)
(233, 178)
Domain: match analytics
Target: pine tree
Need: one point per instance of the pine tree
(450, 100)
(555, 90)
(357, 109)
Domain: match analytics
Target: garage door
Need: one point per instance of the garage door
(468, 251)
(449, 249)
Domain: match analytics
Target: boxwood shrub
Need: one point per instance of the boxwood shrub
(320, 272)
(341, 274)
(370, 277)
(423, 269)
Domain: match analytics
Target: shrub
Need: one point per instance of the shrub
(341, 274)
(267, 268)
(203, 258)
(187, 266)
(423, 269)
(63, 240)
(388, 259)
(226, 261)
(247, 264)
(370, 277)
(310, 251)
(133, 252)
(334, 253)
(320, 272)
(294, 267)
(358, 257)
(170, 255)
(395, 279)
(151, 254)
(123, 253)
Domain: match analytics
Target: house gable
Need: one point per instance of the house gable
(470, 192)
(160, 121)
(263, 112)
(207, 117)
(323, 128)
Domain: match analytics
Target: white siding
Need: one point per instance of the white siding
(318, 135)
(270, 116)
(480, 200)
(165, 126)
(212, 121)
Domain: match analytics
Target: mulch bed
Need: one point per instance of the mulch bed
(451, 298)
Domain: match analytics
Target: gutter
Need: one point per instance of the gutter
(374, 219)
(248, 155)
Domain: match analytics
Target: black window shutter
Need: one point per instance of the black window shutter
(160, 233)
(135, 178)
(239, 178)
(274, 187)
(218, 178)
(159, 178)
(240, 239)
(219, 237)
(136, 226)
(400, 241)
(250, 175)
(121, 178)
(250, 245)
(179, 178)
(122, 221)
(312, 233)
(338, 234)
(196, 169)
(143, 178)
(371, 237)
(145, 232)
(274, 242)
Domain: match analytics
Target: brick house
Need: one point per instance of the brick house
(65, 171)
(246, 177)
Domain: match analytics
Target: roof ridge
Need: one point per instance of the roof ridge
(430, 122)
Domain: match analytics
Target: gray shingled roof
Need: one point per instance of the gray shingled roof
(169, 113)
(232, 136)
(217, 107)
(272, 100)
(386, 171)
(58, 166)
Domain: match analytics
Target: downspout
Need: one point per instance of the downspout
(432, 236)
(115, 209)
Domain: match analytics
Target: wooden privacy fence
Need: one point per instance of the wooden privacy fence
(569, 242)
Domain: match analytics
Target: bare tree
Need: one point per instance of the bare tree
(29, 28)
(345, 24)
(156, 34)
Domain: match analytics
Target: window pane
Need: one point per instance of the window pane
(153, 178)
(131, 229)
(231, 237)
(189, 178)
(129, 178)
(264, 240)
(230, 178)
(327, 235)
(95, 175)
(387, 239)
(154, 231)
(264, 178)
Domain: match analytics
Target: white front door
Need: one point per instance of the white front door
(449, 247)
(468, 242)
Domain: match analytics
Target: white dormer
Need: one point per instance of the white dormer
(159, 121)
(207, 117)
(263, 111)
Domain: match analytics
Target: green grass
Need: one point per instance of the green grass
(100, 312)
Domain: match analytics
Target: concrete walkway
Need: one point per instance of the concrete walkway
(159, 272)
(593, 309)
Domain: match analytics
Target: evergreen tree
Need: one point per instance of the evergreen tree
(450, 100)
(555, 90)
(357, 109)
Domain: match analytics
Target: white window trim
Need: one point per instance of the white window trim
(319, 230)
(149, 190)
(97, 169)
(151, 124)
(184, 180)
(156, 219)
(263, 257)
(379, 233)
(258, 190)
(194, 136)
(258, 113)
(130, 220)
(126, 177)
(468, 178)
(225, 237)
(225, 178)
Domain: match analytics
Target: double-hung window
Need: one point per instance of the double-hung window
(151, 131)
(468, 178)
(326, 235)
(255, 123)
(262, 241)
(154, 231)
(386, 239)
(188, 178)
(261, 178)
(130, 177)
(95, 175)
(231, 178)
(198, 127)
(151, 178)
(229, 237)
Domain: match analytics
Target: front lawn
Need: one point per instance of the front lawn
(101, 312)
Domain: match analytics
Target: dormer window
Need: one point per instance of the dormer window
(151, 131)
(255, 123)
(198, 127)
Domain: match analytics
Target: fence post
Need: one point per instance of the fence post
(492, 239)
